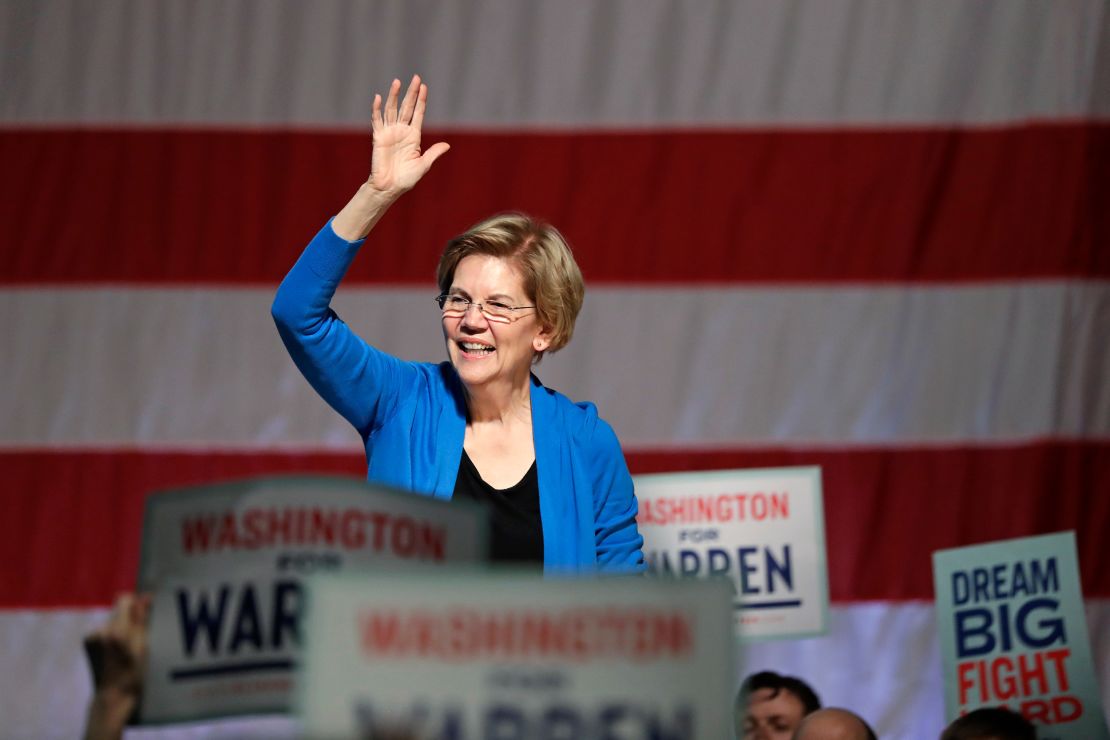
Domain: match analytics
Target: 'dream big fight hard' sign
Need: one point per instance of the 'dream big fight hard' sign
(763, 529)
(515, 657)
(226, 565)
(1013, 633)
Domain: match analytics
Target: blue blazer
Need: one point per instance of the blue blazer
(412, 418)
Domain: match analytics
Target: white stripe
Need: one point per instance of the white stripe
(880, 659)
(686, 367)
(504, 63)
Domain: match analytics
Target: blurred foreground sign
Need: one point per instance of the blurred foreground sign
(764, 529)
(515, 657)
(1013, 633)
(226, 565)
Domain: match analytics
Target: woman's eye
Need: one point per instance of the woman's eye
(456, 301)
(498, 306)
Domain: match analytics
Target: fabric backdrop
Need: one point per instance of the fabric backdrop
(869, 236)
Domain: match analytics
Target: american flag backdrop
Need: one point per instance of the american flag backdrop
(865, 235)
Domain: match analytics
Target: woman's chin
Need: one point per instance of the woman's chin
(474, 372)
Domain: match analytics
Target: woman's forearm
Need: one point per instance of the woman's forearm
(362, 212)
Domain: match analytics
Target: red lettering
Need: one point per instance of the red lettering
(254, 530)
(378, 521)
(433, 542)
(1037, 710)
(322, 526)
(195, 533)
(1005, 687)
(1058, 657)
(1067, 708)
(1031, 673)
(228, 536)
(759, 507)
(403, 539)
(281, 525)
(353, 535)
(380, 631)
(577, 634)
(741, 503)
(780, 506)
(962, 681)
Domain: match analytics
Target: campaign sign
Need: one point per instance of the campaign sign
(763, 528)
(226, 564)
(516, 657)
(1013, 633)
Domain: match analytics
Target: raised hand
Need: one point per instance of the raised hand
(117, 656)
(398, 164)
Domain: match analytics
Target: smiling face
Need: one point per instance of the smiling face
(486, 353)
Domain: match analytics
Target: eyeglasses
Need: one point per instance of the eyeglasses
(455, 306)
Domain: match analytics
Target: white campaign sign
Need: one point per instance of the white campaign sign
(516, 657)
(226, 564)
(764, 529)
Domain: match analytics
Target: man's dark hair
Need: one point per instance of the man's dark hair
(777, 683)
(990, 722)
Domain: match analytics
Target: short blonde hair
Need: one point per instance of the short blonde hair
(552, 281)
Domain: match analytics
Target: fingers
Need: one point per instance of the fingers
(409, 103)
(391, 102)
(434, 152)
(122, 617)
(421, 104)
(411, 107)
(376, 120)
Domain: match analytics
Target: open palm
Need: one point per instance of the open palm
(398, 164)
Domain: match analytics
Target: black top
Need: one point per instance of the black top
(516, 533)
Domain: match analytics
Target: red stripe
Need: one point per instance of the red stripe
(70, 531)
(143, 206)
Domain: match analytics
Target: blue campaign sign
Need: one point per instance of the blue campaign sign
(1013, 633)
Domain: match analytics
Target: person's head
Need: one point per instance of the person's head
(990, 723)
(509, 260)
(770, 706)
(834, 724)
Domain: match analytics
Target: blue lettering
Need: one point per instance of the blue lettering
(248, 628)
(718, 561)
(505, 723)
(689, 562)
(1045, 581)
(610, 721)
(746, 569)
(961, 588)
(561, 723)
(1049, 632)
(973, 632)
(287, 614)
(783, 569)
(206, 618)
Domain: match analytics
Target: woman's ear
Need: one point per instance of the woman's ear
(542, 340)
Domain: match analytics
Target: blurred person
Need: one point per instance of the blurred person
(990, 723)
(480, 425)
(834, 724)
(117, 659)
(770, 706)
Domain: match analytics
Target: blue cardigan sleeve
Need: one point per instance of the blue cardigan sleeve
(360, 382)
(619, 545)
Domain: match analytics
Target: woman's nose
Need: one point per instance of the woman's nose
(473, 316)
